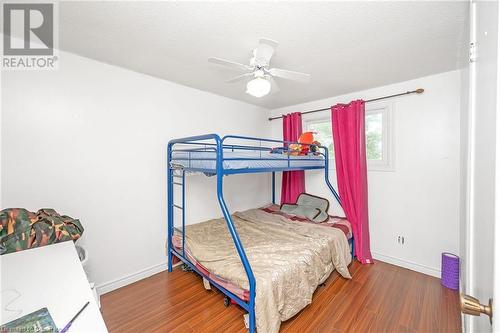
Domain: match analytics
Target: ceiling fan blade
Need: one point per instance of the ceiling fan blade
(274, 86)
(269, 42)
(229, 64)
(239, 77)
(290, 75)
(265, 51)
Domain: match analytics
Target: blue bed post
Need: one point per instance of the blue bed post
(327, 177)
(234, 234)
(273, 190)
(170, 206)
(335, 194)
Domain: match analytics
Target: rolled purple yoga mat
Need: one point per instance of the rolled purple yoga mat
(450, 270)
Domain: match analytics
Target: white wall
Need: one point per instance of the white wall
(464, 210)
(420, 198)
(89, 140)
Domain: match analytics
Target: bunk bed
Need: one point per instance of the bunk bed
(218, 157)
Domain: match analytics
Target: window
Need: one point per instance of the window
(378, 136)
(324, 135)
(373, 128)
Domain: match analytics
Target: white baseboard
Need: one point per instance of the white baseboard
(142, 274)
(407, 264)
(106, 287)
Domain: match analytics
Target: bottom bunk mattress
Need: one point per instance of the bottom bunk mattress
(289, 259)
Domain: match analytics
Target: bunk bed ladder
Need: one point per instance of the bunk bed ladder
(175, 179)
(181, 182)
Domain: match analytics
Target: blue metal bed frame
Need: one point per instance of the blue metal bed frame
(219, 145)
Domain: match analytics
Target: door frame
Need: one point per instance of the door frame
(469, 195)
(470, 184)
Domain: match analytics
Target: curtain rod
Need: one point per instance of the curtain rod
(417, 91)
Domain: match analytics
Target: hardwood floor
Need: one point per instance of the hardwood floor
(379, 298)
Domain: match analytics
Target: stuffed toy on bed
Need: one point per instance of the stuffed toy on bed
(306, 144)
(303, 147)
(309, 206)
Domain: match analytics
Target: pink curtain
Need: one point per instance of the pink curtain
(293, 182)
(348, 123)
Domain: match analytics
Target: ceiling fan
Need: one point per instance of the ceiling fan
(262, 77)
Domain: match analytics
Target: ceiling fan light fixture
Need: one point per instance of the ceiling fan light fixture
(258, 87)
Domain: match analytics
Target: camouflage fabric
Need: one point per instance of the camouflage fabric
(21, 229)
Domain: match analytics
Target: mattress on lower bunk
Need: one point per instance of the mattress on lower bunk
(252, 160)
(289, 259)
(333, 222)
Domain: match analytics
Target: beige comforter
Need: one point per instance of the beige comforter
(289, 259)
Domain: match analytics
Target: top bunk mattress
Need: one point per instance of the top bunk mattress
(238, 160)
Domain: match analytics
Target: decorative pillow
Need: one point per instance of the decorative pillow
(310, 206)
(303, 211)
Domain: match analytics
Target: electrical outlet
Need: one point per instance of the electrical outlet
(401, 240)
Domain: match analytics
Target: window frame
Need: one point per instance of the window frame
(387, 161)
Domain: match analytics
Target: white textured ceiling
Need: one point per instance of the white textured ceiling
(345, 46)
